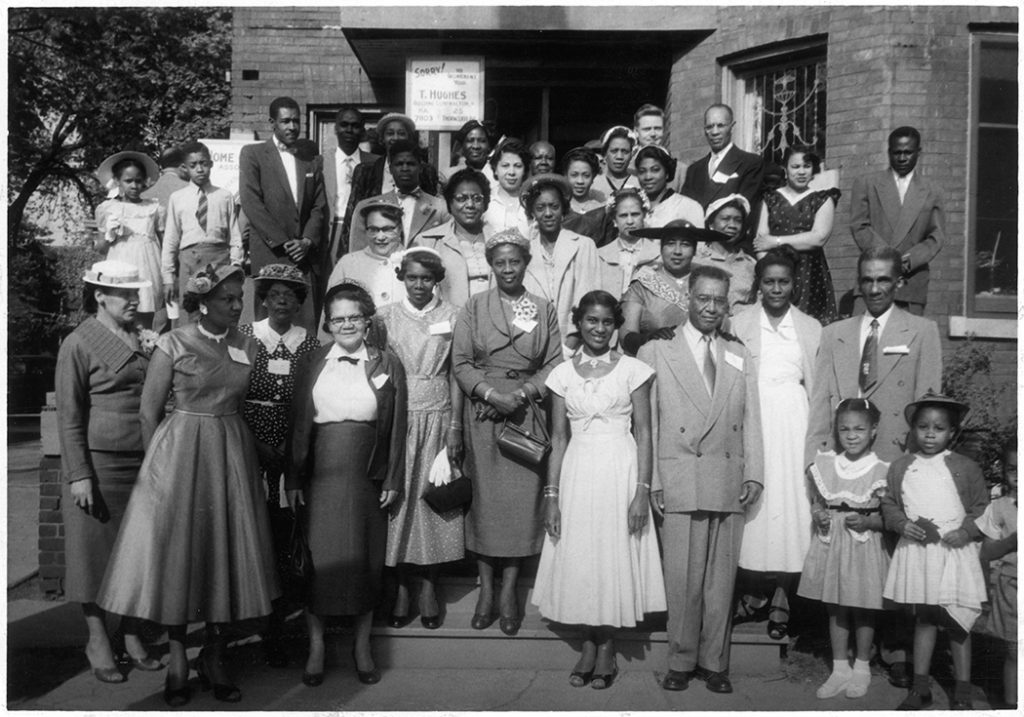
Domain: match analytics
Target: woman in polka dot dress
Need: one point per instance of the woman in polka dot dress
(282, 290)
(802, 218)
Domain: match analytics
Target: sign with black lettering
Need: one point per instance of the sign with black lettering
(443, 93)
(224, 153)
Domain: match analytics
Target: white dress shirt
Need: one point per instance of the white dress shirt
(387, 182)
(865, 327)
(716, 159)
(345, 164)
(902, 183)
(408, 202)
(182, 229)
(694, 339)
(288, 160)
(341, 391)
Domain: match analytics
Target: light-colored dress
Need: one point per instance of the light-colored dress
(844, 566)
(607, 187)
(195, 540)
(778, 528)
(422, 340)
(1000, 521)
(663, 301)
(935, 573)
(137, 230)
(505, 212)
(596, 573)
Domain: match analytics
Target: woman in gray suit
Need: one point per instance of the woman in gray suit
(782, 341)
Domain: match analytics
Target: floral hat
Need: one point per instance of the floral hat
(206, 280)
(285, 273)
(716, 205)
(115, 274)
(508, 236)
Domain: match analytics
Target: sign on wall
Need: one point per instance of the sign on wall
(443, 93)
(224, 153)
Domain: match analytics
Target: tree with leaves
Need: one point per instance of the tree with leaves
(87, 82)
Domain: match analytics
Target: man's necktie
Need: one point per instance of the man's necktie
(201, 211)
(349, 359)
(349, 169)
(869, 359)
(709, 364)
(713, 165)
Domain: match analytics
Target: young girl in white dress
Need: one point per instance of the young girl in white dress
(599, 566)
(846, 563)
(933, 499)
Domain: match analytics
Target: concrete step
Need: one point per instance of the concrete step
(542, 644)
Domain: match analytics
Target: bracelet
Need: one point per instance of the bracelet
(551, 491)
(454, 424)
(487, 394)
(644, 485)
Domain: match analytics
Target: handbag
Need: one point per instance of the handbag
(451, 495)
(299, 568)
(518, 442)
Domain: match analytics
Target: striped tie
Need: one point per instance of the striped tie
(709, 365)
(201, 211)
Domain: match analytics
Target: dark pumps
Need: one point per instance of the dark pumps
(312, 679)
(369, 677)
(222, 692)
(482, 621)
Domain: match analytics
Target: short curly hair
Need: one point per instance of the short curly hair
(467, 176)
(426, 259)
(511, 146)
(349, 292)
(532, 193)
(661, 156)
(598, 297)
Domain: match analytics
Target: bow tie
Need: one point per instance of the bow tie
(349, 359)
(414, 194)
(627, 249)
(287, 150)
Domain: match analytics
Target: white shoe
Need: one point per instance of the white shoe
(834, 685)
(858, 684)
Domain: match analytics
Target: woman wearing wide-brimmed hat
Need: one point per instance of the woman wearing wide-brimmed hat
(281, 289)
(100, 371)
(130, 227)
(195, 542)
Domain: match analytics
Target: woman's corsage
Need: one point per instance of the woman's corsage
(147, 340)
(524, 309)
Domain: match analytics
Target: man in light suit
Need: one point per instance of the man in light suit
(421, 211)
(727, 169)
(707, 434)
(339, 167)
(891, 357)
(897, 208)
(282, 194)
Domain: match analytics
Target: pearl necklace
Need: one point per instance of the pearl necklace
(210, 335)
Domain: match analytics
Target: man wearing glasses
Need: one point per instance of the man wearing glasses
(421, 211)
(708, 470)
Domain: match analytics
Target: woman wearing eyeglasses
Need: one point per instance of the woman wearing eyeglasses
(373, 267)
(461, 242)
(346, 464)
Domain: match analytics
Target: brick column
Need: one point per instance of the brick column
(51, 527)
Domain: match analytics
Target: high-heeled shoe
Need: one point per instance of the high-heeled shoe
(110, 675)
(603, 682)
(510, 625)
(580, 679)
(482, 621)
(432, 622)
(398, 621)
(222, 692)
(146, 664)
(370, 677)
(312, 679)
(177, 696)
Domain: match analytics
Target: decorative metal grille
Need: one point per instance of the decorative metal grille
(788, 108)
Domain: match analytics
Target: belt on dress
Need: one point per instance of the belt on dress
(846, 508)
(205, 415)
(266, 403)
(508, 373)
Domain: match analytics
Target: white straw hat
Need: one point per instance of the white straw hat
(115, 275)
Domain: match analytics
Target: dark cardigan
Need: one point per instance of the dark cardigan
(970, 486)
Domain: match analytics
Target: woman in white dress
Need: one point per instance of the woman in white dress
(510, 164)
(783, 342)
(599, 566)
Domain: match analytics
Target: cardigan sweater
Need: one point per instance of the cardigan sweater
(970, 486)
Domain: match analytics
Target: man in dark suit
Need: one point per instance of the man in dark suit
(283, 198)
(727, 169)
(897, 208)
(376, 179)
(339, 166)
(892, 358)
(707, 435)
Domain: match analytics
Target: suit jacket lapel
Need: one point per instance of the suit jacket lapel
(912, 203)
(847, 358)
(889, 197)
(276, 163)
(724, 379)
(331, 176)
(896, 333)
(729, 162)
(565, 250)
(424, 208)
(302, 168)
(680, 362)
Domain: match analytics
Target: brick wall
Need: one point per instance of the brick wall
(300, 52)
(51, 527)
(887, 66)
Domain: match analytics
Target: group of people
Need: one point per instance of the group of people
(638, 399)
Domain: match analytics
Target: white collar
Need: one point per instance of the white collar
(693, 336)
(281, 147)
(865, 323)
(898, 178)
(785, 322)
(431, 305)
(342, 156)
(584, 357)
(721, 153)
(337, 352)
(270, 338)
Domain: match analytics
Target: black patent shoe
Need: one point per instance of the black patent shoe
(676, 681)
(482, 621)
(222, 692)
(716, 681)
(177, 696)
(431, 623)
(368, 677)
(398, 621)
(916, 701)
(312, 679)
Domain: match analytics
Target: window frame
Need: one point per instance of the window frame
(995, 309)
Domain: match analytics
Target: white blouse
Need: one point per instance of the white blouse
(342, 391)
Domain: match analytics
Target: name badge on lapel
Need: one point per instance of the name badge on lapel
(722, 177)
(440, 328)
(279, 367)
(379, 380)
(527, 325)
(733, 360)
(238, 355)
(901, 350)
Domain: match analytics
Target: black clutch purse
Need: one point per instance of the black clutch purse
(451, 495)
(520, 443)
(299, 569)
